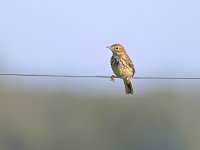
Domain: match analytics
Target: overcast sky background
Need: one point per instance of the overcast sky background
(70, 37)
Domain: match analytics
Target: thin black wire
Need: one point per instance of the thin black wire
(74, 76)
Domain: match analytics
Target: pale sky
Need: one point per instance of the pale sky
(70, 36)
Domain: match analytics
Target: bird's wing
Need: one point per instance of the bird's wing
(130, 64)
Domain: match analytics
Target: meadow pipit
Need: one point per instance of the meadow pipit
(122, 66)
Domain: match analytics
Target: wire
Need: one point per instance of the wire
(75, 76)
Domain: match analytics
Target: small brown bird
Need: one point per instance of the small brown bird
(122, 66)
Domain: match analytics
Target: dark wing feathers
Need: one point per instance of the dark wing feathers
(130, 64)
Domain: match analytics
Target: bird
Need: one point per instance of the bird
(122, 66)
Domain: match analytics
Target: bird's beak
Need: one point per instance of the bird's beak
(108, 47)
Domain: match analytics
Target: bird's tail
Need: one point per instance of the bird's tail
(128, 86)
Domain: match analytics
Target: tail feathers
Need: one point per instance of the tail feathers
(128, 87)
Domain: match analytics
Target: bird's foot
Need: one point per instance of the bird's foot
(113, 78)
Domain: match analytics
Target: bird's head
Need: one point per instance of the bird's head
(117, 49)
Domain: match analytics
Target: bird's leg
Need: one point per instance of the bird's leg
(112, 78)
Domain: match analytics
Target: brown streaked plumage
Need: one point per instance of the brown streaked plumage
(122, 66)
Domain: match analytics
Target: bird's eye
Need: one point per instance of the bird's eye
(117, 48)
